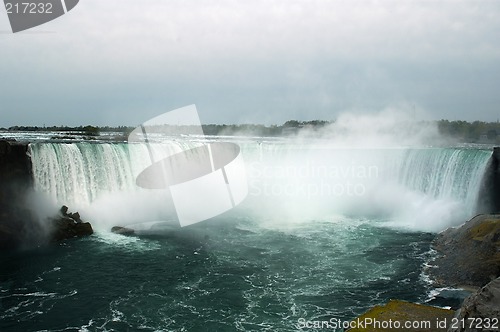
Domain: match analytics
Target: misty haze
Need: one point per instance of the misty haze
(236, 166)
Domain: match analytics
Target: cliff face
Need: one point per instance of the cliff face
(480, 311)
(17, 223)
(468, 255)
(489, 195)
(15, 166)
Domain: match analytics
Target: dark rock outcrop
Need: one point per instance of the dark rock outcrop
(479, 308)
(15, 165)
(66, 229)
(69, 225)
(122, 230)
(469, 256)
(489, 195)
(18, 224)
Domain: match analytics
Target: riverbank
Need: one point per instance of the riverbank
(468, 257)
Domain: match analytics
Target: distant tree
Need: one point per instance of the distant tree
(91, 130)
(292, 124)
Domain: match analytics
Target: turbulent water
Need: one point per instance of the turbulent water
(324, 233)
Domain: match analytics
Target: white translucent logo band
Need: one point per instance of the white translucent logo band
(204, 180)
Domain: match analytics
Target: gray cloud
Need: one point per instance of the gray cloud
(120, 62)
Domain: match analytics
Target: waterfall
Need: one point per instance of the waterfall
(286, 179)
(446, 173)
(418, 188)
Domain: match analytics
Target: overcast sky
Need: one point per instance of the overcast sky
(262, 61)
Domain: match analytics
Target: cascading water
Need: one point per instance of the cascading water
(79, 173)
(417, 188)
(446, 173)
(310, 242)
(426, 188)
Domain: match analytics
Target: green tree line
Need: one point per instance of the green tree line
(463, 131)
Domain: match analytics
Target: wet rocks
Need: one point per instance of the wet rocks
(469, 255)
(25, 231)
(69, 225)
(480, 311)
(122, 230)
(398, 313)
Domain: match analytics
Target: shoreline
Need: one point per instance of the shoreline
(482, 230)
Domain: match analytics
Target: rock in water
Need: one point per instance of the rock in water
(64, 210)
(122, 230)
(469, 254)
(69, 225)
(75, 216)
(479, 308)
(68, 229)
